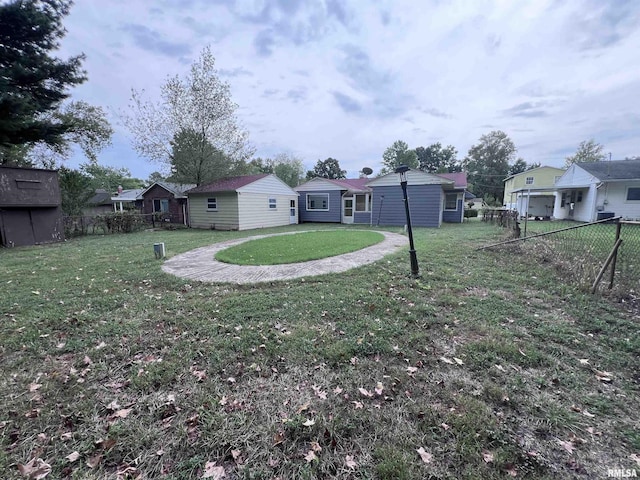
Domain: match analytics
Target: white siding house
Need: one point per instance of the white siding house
(243, 203)
(592, 191)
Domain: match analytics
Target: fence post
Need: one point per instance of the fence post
(615, 257)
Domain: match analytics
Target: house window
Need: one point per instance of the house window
(529, 181)
(212, 204)
(633, 194)
(161, 205)
(451, 201)
(363, 203)
(318, 201)
(273, 204)
(579, 198)
(563, 200)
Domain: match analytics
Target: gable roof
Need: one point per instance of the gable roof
(352, 185)
(459, 178)
(414, 177)
(534, 169)
(229, 184)
(615, 170)
(176, 189)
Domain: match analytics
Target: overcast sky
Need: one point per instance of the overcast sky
(345, 79)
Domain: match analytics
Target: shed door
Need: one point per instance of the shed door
(17, 228)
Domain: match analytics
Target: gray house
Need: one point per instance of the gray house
(432, 198)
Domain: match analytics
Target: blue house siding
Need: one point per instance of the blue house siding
(334, 214)
(362, 217)
(425, 203)
(453, 216)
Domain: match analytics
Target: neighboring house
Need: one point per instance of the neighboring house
(598, 190)
(30, 207)
(335, 201)
(243, 203)
(432, 199)
(128, 200)
(532, 192)
(378, 201)
(100, 203)
(169, 200)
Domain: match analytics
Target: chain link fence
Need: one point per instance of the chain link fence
(599, 256)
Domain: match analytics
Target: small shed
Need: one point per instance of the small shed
(243, 203)
(30, 207)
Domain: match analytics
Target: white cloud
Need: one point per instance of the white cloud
(346, 79)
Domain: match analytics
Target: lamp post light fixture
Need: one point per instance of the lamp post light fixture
(402, 171)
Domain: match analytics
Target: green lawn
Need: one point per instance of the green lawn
(487, 366)
(300, 247)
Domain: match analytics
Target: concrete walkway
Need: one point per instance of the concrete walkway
(200, 264)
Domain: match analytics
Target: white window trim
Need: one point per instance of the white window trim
(367, 203)
(626, 195)
(317, 209)
(273, 205)
(215, 200)
(526, 180)
(445, 202)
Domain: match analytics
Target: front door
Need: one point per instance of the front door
(347, 209)
(292, 212)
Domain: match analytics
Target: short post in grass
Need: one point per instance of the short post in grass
(402, 171)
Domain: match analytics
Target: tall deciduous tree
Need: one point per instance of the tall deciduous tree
(285, 166)
(588, 151)
(436, 159)
(487, 165)
(75, 189)
(200, 103)
(396, 155)
(33, 83)
(329, 168)
(109, 178)
(195, 160)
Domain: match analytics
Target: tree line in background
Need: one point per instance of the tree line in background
(192, 132)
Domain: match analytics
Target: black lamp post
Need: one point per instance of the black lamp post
(402, 171)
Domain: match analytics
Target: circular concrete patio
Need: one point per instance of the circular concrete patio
(200, 264)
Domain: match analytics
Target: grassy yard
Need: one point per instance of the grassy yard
(303, 247)
(486, 367)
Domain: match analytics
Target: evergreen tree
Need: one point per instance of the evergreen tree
(32, 82)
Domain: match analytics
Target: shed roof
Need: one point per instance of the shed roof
(615, 170)
(229, 184)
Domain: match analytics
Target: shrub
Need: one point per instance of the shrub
(470, 213)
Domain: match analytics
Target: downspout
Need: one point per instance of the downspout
(594, 212)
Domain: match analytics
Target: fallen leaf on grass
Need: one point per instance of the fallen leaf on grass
(635, 457)
(278, 438)
(100, 346)
(446, 360)
(36, 469)
(445, 426)
(321, 394)
(310, 456)
(511, 470)
(122, 413)
(315, 446)
(412, 370)
(365, 392)
(458, 361)
(199, 374)
(309, 422)
(73, 456)
(303, 407)
(350, 462)
(379, 388)
(337, 390)
(568, 446)
(126, 471)
(424, 455)
(211, 470)
(487, 456)
(603, 376)
(357, 404)
(237, 454)
(34, 386)
(94, 461)
(584, 361)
